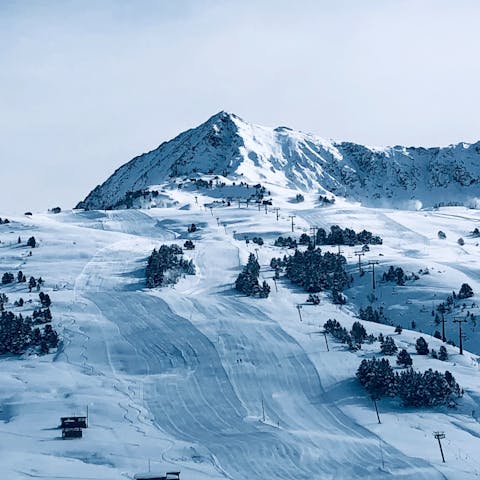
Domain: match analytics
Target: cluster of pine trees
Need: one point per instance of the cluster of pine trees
(353, 339)
(166, 265)
(19, 334)
(258, 240)
(314, 271)
(33, 282)
(41, 316)
(288, 242)
(247, 281)
(415, 389)
(4, 221)
(397, 275)
(324, 200)
(371, 314)
(347, 236)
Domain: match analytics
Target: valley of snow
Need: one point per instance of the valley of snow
(177, 376)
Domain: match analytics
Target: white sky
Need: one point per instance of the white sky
(86, 85)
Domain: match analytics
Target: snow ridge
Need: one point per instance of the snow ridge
(226, 145)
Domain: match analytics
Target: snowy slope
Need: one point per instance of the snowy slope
(228, 146)
(178, 375)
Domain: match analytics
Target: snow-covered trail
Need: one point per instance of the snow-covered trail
(204, 384)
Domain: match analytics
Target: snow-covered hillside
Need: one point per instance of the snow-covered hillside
(199, 378)
(404, 177)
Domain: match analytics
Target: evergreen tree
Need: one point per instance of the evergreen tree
(426, 389)
(443, 354)
(166, 266)
(388, 347)
(421, 346)
(264, 290)
(358, 333)
(338, 298)
(314, 299)
(31, 242)
(304, 239)
(32, 283)
(465, 291)
(377, 377)
(247, 280)
(7, 278)
(315, 271)
(188, 245)
(404, 359)
(372, 315)
(334, 328)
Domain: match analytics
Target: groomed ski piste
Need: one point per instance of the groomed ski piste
(201, 379)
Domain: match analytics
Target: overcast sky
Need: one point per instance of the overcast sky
(87, 85)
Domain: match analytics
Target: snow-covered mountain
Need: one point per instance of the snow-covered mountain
(228, 146)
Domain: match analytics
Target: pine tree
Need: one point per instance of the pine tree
(388, 347)
(358, 333)
(426, 389)
(247, 280)
(31, 242)
(7, 278)
(465, 291)
(404, 359)
(377, 376)
(421, 346)
(443, 354)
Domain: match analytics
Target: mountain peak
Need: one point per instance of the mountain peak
(227, 145)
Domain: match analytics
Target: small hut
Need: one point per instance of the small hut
(157, 476)
(71, 432)
(73, 422)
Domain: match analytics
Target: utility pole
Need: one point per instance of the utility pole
(440, 436)
(373, 263)
(292, 217)
(326, 341)
(359, 254)
(275, 282)
(299, 308)
(376, 409)
(276, 211)
(381, 452)
(460, 320)
(444, 338)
